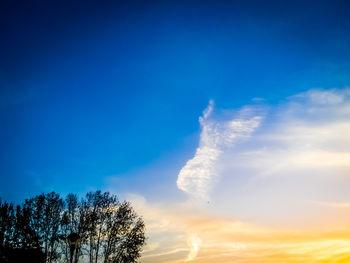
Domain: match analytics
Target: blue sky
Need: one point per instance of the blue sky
(101, 94)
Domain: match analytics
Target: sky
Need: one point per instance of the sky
(225, 123)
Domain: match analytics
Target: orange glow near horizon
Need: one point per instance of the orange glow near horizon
(178, 236)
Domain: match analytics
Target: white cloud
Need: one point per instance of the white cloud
(301, 152)
(265, 166)
(197, 176)
(326, 97)
(268, 174)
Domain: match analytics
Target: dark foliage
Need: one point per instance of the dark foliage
(28, 255)
(48, 228)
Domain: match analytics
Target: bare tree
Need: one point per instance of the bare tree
(45, 219)
(115, 233)
(97, 209)
(7, 221)
(19, 242)
(74, 221)
(24, 235)
(105, 230)
(125, 236)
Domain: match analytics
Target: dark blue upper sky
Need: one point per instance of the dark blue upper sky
(91, 89)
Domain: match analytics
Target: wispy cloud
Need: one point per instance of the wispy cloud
(194, 243)
(197, 176)
(278, 184)
(300, 151)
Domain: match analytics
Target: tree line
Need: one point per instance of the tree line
(48, 228)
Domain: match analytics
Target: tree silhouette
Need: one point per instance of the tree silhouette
(19, 242)
(24, 235)
(72, 222)
(47, 228)
(7, 221)
(45, 212)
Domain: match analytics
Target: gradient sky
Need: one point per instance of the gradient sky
(226, 122)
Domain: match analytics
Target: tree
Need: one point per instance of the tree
(114, 231)
(45, 218)
(125, 237)
(19, 243)
(104, 230)
(73, 222)
(97, 209)
(7, 219)
(24, 235)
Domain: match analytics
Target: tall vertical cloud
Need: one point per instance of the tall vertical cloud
(198, 175)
